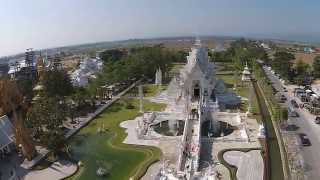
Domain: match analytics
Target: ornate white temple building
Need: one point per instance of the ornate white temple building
(196, 83)
(197, 77)
(192, 117)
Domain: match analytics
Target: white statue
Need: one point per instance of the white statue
(158, 80)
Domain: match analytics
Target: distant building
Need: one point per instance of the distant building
(308, 50)
(265, 46)
(219, 48)
(24, 68)
(87, 68)
(316, 89)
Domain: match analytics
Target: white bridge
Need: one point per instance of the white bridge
(189, 157)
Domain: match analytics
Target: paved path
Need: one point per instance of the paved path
(250, 164)
(58, 170)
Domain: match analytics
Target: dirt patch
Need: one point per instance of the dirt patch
(305, 57)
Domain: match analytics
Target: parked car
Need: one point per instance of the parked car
(304, 140)
(292, 112)
(294, 104)
(283, 98)
(285, 89)
(317, 120)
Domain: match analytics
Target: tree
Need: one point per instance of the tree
(316, 67)
(142, 62)
(282, 63)
(302, 68)
(12, 102)
(45, 119)
(57, 83)
(301, 72)
(112, 55)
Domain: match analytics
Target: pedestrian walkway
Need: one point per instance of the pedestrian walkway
(249, 165)
(58, 170)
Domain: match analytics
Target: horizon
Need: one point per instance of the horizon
(42, 26)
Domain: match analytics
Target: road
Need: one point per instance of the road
(306, 125)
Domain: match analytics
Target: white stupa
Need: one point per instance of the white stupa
(246, 75)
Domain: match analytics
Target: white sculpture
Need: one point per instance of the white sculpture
(158, 80)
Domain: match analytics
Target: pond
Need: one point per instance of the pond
(170, 127)
(95, 151)
(106, 150)
(217, 130)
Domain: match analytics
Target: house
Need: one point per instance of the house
(88, 67)
(308, 50)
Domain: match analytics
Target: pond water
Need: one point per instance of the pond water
(95, 151)
(217, 130)
(170, 127)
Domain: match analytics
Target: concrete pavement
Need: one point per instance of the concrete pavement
(58, 170)
(246, 162)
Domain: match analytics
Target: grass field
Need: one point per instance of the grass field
(107, 150)
(149, 90)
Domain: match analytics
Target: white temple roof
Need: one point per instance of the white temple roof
(6, 133)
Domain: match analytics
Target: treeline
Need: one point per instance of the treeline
(122, 65)
(282, 62)
(57, 101)
(241, 52)
(299, 73)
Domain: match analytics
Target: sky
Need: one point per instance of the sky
(51, 23)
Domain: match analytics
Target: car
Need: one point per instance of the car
(283, 98)
(292, 112)
(304, 140)
(285, 89)
(317, 120)
(294, 104)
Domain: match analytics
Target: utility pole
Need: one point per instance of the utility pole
(141, 97)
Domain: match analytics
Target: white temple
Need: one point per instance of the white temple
(192, 99)
(195, 87)
(246, 75)
(88, 67)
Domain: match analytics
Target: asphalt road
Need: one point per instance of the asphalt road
(305, 122)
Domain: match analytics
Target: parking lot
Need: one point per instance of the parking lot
(305, 124)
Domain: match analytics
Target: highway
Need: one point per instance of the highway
(306, 125)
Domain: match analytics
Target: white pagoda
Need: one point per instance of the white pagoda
(158, 80)
(246, 75)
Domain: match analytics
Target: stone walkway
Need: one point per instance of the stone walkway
(58, 170)
(250, 165)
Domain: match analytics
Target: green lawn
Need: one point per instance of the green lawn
(152, 90)
(149, 90)
(107, 150)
